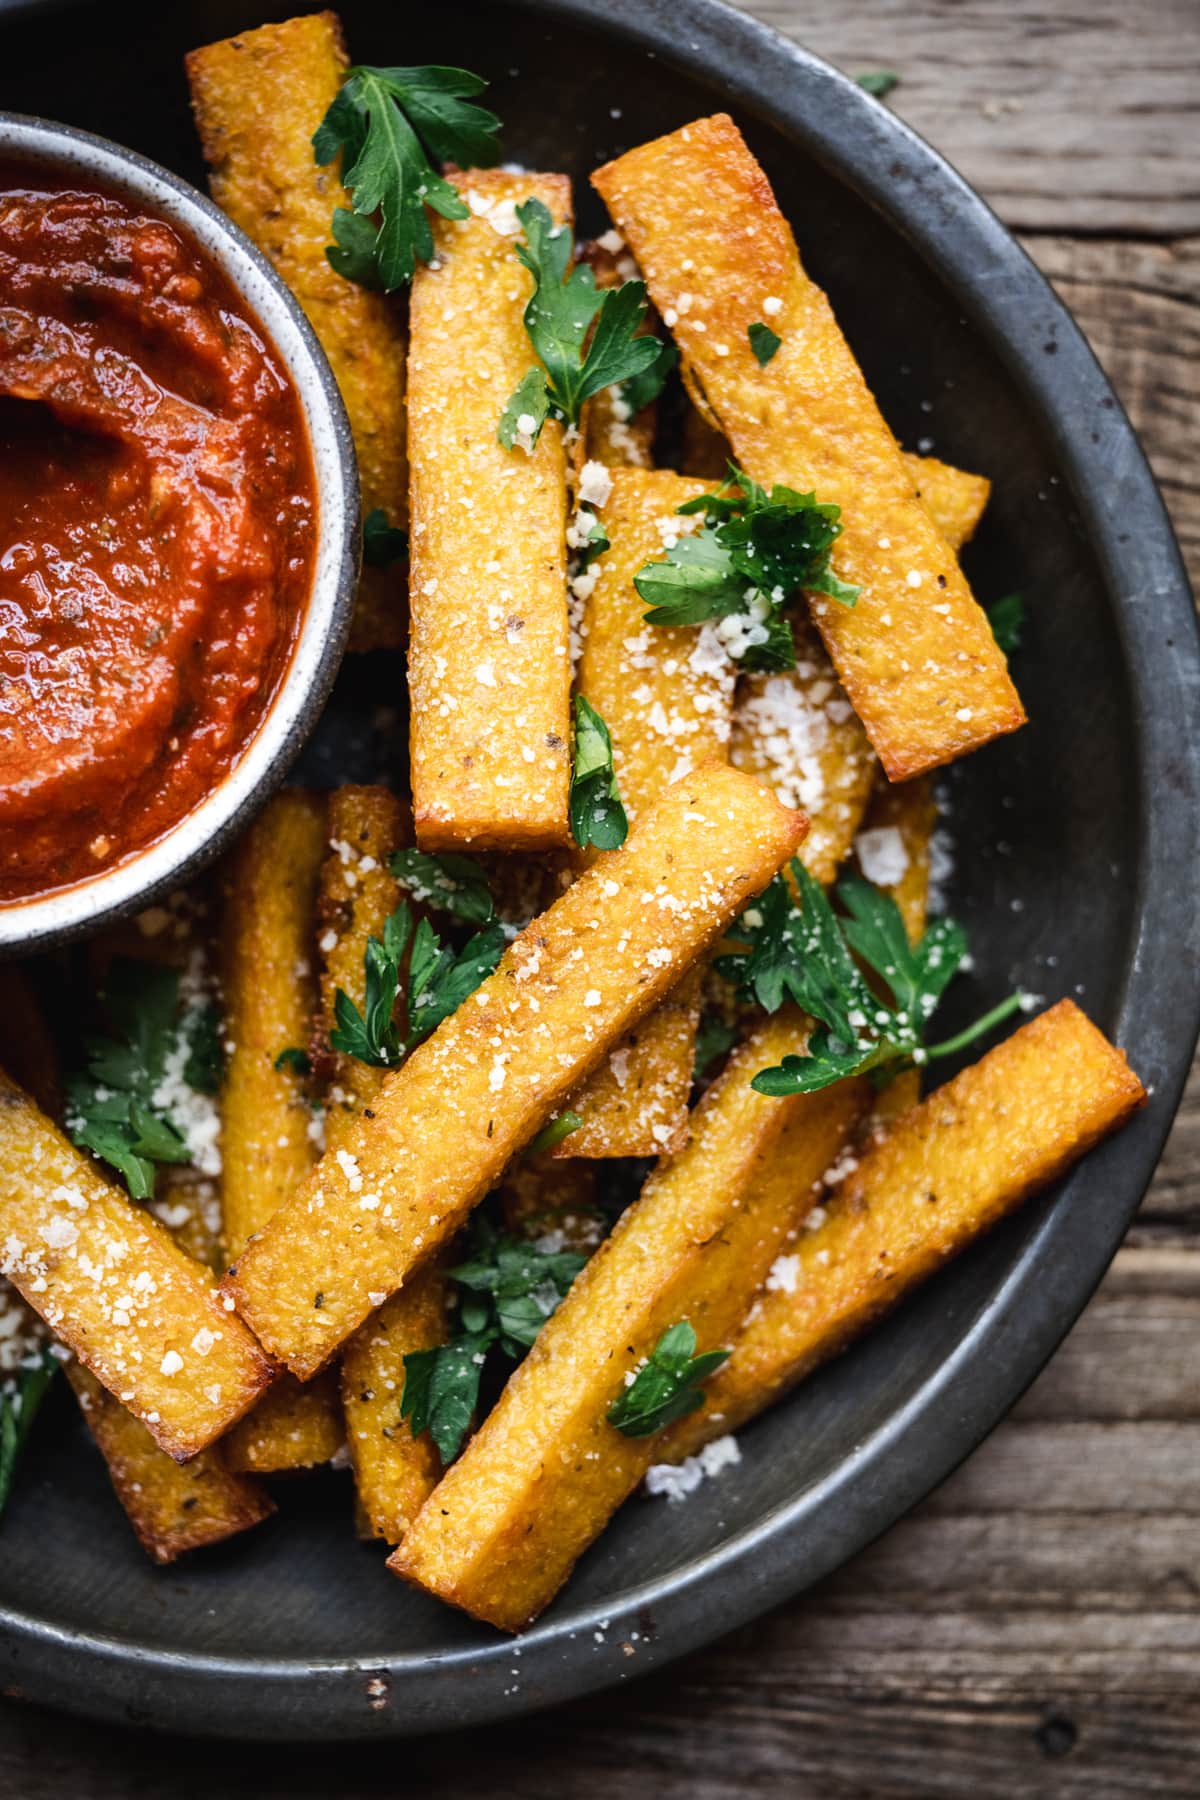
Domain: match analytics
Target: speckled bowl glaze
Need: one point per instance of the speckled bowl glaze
(36, 923)
(1078, 840)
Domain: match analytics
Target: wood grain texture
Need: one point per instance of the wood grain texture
(1033, 1629)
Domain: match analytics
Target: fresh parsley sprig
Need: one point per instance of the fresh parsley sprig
(554, 1131)
(640, 390)
(667, 1386)
(439, 980)
(453, 884)
(596, 813)
(508, 1288)
(19, 1404)
(115, 1107)
(585, 338)
(713, 1038)
(807, 953)
(754, 554)
(391, 127)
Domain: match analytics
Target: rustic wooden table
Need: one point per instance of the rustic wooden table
(1035, 1626)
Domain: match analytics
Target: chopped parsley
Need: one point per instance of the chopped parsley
(507, 1290)
(754, 554)
(597, 816)
(667, 1386)
(392, 127)
(641, 389)
(763, 341)
(553, 1132)
(878, 82)
(298, 1061)
(453, 884)
(383, 544)
(119, 1108)
(576, 360)
(439, 980)
(19, 1403)
(1007, 620)
(806, 953)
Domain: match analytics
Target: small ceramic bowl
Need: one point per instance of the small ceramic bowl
(26, 925)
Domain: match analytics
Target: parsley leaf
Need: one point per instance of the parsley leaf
(640, 390)
(878, 82)
(392, 126)
(806, 953)
(371, 1035)
(294, 1059)
(754, 554)
(439, 980)
(713, 1038)
(763, 341)
(597, 816)
(553, 1132)
(585, 339)
(1007, 620)
(383, 544)
(114, 1108)
(18, 1408)
(667, 1386)
(507, 1290)
(453, 884)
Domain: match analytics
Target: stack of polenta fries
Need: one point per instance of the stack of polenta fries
(414, 1134)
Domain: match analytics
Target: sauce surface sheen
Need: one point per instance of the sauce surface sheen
(157, 527)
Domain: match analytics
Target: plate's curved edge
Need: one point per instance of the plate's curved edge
(1025, 1321)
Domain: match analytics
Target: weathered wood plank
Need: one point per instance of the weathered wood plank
(1068, 118)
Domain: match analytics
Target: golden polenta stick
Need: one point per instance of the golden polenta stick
(449, 1120)
(546, 1470)
(797, 731)
(267, 1120)
(489, 670)
(916, 654)
(665, 693)
(357, 893)
(258, 97)
(945, 1173)
(614, 434)
(393, 1470)
(172, 1507)
(109, 1282)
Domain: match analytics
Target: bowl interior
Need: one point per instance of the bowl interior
(308, 669)
(1046, 873)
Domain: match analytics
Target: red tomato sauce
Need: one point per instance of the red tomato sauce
(157, 529)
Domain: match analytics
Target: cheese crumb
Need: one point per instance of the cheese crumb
(678, 1480)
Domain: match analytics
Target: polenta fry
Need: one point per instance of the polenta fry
(574, 982)
(267, 1118)
(798, 732)
(258, 97)
(106, 1278)
(665, 694)
(394, 1471)
(489, 669)
(928, 681)
(546, 1470)
(172, 1507)
(946, 1172)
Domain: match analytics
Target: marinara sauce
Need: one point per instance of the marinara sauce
(157, 529)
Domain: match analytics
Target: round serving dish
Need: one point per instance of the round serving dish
(304, 685)
(1077, 843)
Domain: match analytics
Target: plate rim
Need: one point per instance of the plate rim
(956, 233)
